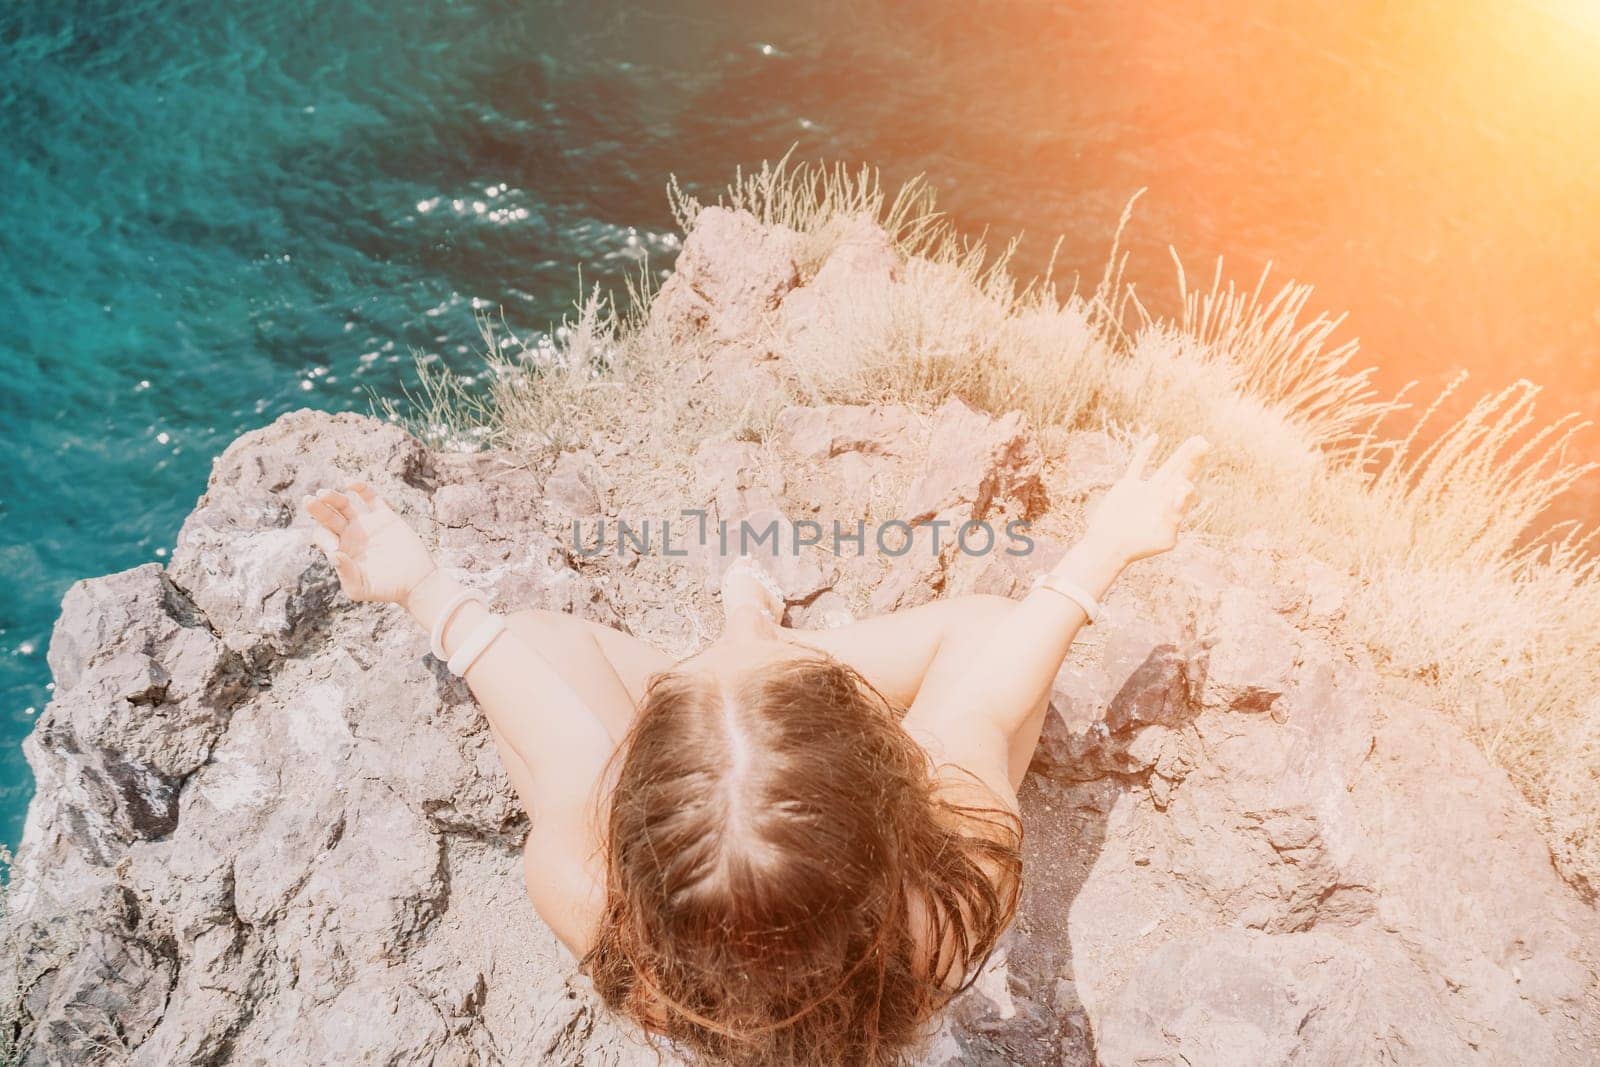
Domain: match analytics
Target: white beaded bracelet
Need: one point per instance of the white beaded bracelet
(476, 644)
(1072, 591)
(452, 606)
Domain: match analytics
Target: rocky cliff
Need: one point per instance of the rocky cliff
(271, 829)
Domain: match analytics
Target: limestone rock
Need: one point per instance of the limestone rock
(857, 278)
(1240, 996)
(144, 690)
(1250, 671)
(731, 273)
(823, 433)
(975, 463)
(574, 485)
(244, 556)
(734, 482)
(846, 456)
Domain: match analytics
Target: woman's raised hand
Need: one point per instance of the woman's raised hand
(377, 556)
(1141, 514)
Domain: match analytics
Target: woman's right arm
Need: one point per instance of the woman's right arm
(554, 748)
(548, 727)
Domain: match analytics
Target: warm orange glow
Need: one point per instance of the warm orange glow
(1583, 14)
(1432, 167)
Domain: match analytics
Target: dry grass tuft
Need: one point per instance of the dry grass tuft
(1456, 590)
(818, 202)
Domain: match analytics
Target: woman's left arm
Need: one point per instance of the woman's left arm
(990, 688)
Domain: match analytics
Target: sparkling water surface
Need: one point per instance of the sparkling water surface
(213, 214)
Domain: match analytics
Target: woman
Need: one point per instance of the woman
(791, 847)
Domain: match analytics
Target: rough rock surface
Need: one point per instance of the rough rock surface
(271, 829)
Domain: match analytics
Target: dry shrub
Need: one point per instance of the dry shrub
(818, 202)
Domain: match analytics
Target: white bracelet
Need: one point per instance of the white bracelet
(1072, 591)
(476, 644)
(451, 607)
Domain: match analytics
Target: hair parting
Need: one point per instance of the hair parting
(787, 880)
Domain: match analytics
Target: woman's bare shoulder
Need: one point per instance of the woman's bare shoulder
(566, 892)
(964, 777)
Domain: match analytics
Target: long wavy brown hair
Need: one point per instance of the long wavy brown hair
(782, 868)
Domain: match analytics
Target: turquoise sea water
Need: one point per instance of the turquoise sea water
(213, 214)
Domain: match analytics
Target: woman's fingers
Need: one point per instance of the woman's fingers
(368, 496)
(1184, 462)
(338, 502)
(349, 576)
(325, 513)
(337, 510)
(1181, 465)
(1141, 456)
